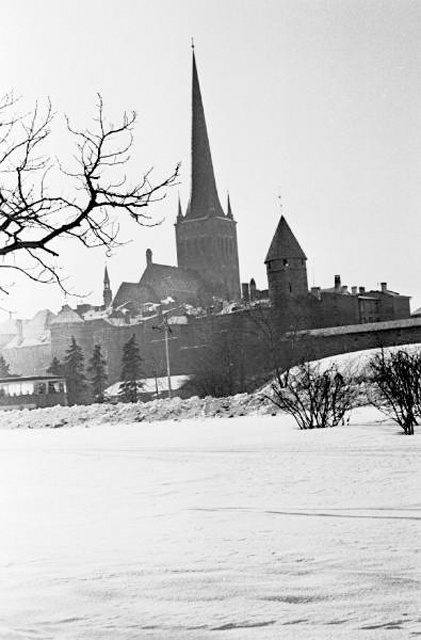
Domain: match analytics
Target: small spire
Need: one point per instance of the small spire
(180, 213)
(106, 278)
(229, 212)
(107, 294)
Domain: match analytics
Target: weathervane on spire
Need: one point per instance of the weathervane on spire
(192, 44)
(281, 205)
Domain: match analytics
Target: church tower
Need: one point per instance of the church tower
(107, 294)
(206, 237)
(286, 267)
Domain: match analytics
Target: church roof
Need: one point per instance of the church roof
(183, 285)
(134, 292)
(204, 200)
(284, 244)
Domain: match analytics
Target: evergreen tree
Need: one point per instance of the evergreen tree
(4, 368)
(98, 373)
(130, 372)
(55, 368)
(74, 373)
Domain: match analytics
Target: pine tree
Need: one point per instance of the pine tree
(55, 368)
(98, 371)
(130, 372)
(74, 373)
(4, 368)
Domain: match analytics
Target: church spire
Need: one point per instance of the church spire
(106, 277)
(107, 294)
(204, 200)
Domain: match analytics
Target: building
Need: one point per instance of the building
(201, 296)
(206, 237)
(298, 308)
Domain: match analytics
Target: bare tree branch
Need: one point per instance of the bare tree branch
(33, 217)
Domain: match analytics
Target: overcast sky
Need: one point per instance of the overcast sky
(318, 101)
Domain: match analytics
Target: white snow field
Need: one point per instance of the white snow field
(241, 528)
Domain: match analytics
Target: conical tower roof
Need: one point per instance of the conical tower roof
(204, 200)
(284, 244)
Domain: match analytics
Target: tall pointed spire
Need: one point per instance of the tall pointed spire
(204, 200)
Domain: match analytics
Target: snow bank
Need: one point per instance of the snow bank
(155, 410)
(175, 408)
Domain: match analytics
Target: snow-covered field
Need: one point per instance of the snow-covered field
(241, 528)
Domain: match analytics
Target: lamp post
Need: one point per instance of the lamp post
(167, 330)
(167, 353)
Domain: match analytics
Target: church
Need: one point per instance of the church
(203, 293)
(206, 237)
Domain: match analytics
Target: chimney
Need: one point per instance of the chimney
(19, 331)
(344, 288)
(337, 283)
(361, 291)
(315, 291)
(252, 289)
(148, 257)
(383, 286)
(354, 291)
(245, 291)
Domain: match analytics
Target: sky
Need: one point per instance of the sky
(313, 111)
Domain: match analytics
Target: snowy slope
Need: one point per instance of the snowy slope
(240, 528)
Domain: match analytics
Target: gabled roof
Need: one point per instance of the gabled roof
(39, 323)
(284, 244)
(134, 292)
(183, 285)
(66, 315)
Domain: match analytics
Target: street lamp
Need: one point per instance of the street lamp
(164, 326)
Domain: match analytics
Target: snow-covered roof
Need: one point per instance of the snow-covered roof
(149, 385)
(362, 328)
(66, 315)
(15, 343)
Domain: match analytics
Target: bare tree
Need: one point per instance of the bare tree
(34, 215)
(395, 386)
(315, 398)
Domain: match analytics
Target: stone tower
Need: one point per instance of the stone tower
(206, 237)
(286, 267)
(107, 294)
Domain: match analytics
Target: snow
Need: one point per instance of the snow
(149, 385)
(208, 528)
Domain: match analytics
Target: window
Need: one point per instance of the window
(285, 262)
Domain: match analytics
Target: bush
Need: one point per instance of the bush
(395, 380)
(315, 397)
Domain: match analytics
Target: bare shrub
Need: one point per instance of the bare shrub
(315, 397)
(395, 380)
